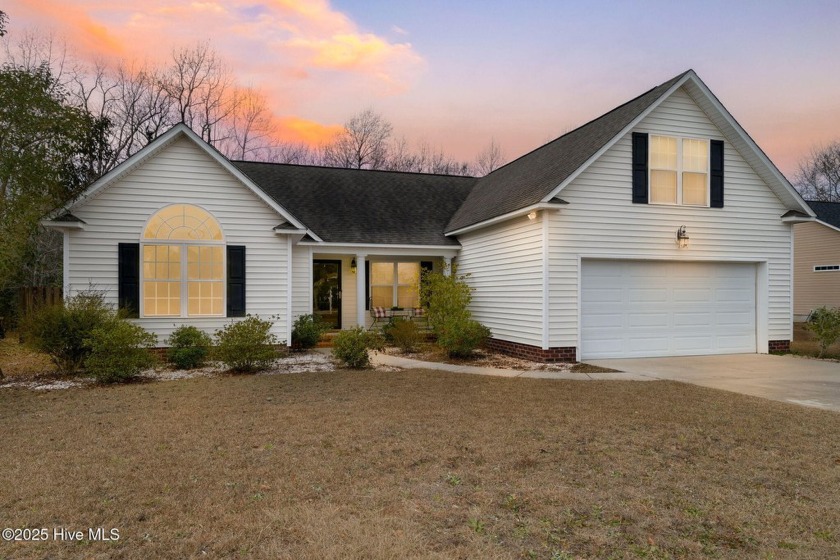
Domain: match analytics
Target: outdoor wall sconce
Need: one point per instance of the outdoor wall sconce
(532, 215)
(353, 266)
(682, 237)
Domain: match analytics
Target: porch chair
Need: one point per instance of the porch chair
(379, 314)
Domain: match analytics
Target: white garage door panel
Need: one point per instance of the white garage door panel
(650, 308)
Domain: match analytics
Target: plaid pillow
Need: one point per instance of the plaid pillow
(379, 312)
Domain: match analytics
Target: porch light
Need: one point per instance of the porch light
(353, 265)
(682, 237)
(532, 215)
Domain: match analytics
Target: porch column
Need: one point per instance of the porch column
(361, 295)
(447, 268)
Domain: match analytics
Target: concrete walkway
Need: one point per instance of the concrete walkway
(790, 379)
(379, 359)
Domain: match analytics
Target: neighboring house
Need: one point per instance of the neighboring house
(572, 249)
(816, 264)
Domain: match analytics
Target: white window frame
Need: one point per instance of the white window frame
(827, 268)
(679, 171)
(395, 284)
(184, 281)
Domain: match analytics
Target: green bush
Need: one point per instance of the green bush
(62, 331)
(403, 333)
(446, 299)
(460, 337)
(307, 331)
(825, 324)
(119, 350)
(188, 347)
(247, 345)
(351, 347)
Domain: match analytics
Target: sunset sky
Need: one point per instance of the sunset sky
(456, 74)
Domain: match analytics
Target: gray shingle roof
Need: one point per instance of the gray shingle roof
(362, 206)
(527, 180)
(828, 212)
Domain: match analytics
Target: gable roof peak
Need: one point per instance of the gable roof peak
(535, 176)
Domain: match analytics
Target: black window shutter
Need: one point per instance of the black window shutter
(128, 278)
(716, 174)
(367, 285)
(235, 280)
(640, 168)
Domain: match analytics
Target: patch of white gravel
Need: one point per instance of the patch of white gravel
(293, 363)
(47, 384)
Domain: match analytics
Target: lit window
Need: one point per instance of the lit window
(395, 284)
(679, 171)
(183, 264)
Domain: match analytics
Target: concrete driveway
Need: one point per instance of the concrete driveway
(788, 379)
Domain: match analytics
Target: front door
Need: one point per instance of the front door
(326, 292)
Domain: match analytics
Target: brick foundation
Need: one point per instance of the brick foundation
(533, 353)
(779, 346)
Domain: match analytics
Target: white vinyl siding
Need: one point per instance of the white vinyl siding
(182, 173)
(505, 264)
(601, 221)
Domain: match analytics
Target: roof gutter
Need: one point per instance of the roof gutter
(548, 206)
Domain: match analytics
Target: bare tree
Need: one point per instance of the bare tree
(251, 128)
(424, 159)
(198, 84)
(489, 159)
(363, 144)
(819, 175)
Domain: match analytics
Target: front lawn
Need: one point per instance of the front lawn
(418, 464)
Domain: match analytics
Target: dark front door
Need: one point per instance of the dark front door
(326, 292)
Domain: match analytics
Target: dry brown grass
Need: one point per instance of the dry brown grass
(804, 342)
(19, 361)
(419, 464)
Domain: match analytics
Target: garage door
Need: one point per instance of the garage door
(650, 308)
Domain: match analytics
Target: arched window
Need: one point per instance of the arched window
(183, 274)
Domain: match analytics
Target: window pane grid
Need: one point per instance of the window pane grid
(678, 171)
(183, 278)
(395, 284)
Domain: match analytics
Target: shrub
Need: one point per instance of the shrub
(247, 345)
(307, 331)
(460, 337)
(62, 330)
(188, 347)
(351, 347)
(119, 350)
(446, 299)
(825, 324)
(404, 334)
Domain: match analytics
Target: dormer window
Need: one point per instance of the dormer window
(679, 171)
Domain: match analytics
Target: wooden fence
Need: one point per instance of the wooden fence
(33, 297)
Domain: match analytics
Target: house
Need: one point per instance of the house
(816, 263)
(657, 229)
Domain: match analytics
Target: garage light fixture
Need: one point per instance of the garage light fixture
(532, 215)
(682, 237)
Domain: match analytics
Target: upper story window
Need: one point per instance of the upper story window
(679, 171)
(827, 268)
(183, 256)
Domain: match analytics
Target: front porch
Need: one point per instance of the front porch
(342, 283)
